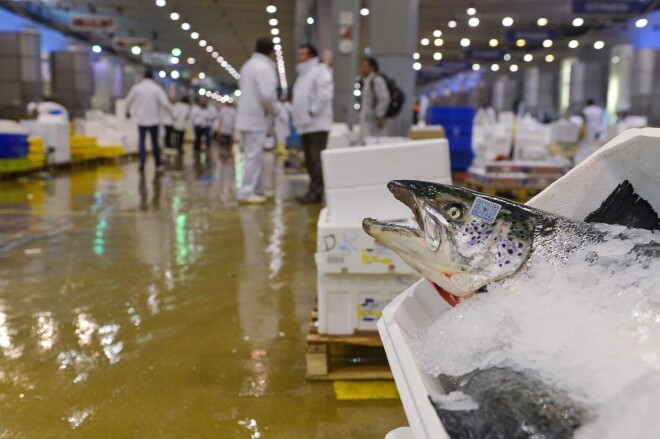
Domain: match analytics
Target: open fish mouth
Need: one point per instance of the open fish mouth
(398, 233)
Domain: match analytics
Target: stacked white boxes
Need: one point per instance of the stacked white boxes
(56, 137)
(357, 277)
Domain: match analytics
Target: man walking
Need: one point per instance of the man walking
(224, 128)
(256, 108)
(312, 115)
(202, 117)
(375, 100)
(145, 103)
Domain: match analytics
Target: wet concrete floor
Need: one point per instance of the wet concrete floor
(158, 308)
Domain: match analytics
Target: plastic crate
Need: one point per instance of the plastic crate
(449, 115)
(13, 146)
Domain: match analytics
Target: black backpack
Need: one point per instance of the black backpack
(397, 97)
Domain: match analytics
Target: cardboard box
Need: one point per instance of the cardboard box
(426, 132)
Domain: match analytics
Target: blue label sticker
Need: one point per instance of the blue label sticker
(485, 210)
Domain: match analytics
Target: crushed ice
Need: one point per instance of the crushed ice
(591, 327)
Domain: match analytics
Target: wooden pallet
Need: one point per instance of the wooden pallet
(326, 355)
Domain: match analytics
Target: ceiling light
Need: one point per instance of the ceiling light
(202, 91)
(273, 22)
(416, 66)
(437, 56)
(465, 42)
(615, 60)
(209, 93)
(191, 60)
(160, 3)
(452, 24)
(237, 93)
(162, 74)
(642, 22)
(174, 60)
(364, 12)
(475, 67)
(513, 68)
(174, 74)
(96, 48)
(310, 20)
(493, 42)
(356, 106)
(202, 43)
(185, 26)
(175, 16)
(136, 50)
(223, 63)
(471, 11)
(424, 42)
(209, 49)
(271, 9)
(573, 44)
(215, 54)
(194, 35)
(278, 47)
(507, 57)
(495, 67)
(577, 22)
(202, 75)
(507, 21)
(549, 58)
(473, 22)
(520, 42)
(438, 42)
(275, 31)
(528, 57)
(416, 55)
(599, 45)
(542, 21)
(176, 51)
(277, 40)
(547, 43)
(437, 33)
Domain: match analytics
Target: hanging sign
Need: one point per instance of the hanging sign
(126, 43)
(609, 6)
(86, 23)
(485, 54)
(346, 24)
(532, 35)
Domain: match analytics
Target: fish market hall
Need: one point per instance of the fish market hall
(293, 219)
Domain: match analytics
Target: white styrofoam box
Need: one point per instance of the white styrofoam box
(55, 135)
(354, 302)
(352, 205)
(403, 321)
(565, 131)
(400, 433)
(346, 248)
(11, 127)
(376, 165)
(634, 155)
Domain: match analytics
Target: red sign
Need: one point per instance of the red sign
(81, 23)
(125, 43)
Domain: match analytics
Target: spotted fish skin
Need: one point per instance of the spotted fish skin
(461, 253)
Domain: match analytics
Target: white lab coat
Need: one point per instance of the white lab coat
(595, 120)
(203, 117)
(312, 97)
(145, 101)
(375, 102)
(226, 121)
(258, 85)
(181, 112)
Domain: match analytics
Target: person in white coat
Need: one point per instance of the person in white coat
(375, 100)
(181, 113)
(225, 125)
(145, 103)
(202, 117)
(256, 109)
(312, 115)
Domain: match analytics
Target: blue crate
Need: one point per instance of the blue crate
(14, 146)
(458, 130)
(450, 115)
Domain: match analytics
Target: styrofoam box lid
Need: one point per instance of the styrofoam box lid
(633, 155)
(373, 165)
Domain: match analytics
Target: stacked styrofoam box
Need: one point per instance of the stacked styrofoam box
(371, 141)
(632, 156)
(357, 276)
(356, 178)
(56, 136)
(532, 140)
(565, 131)
(339, 136)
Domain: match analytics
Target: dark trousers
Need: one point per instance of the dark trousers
(313, 144)
(169, 136)
(200, 132)
(178, 139)
(153, 132)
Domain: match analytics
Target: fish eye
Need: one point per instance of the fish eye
(454, 212)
